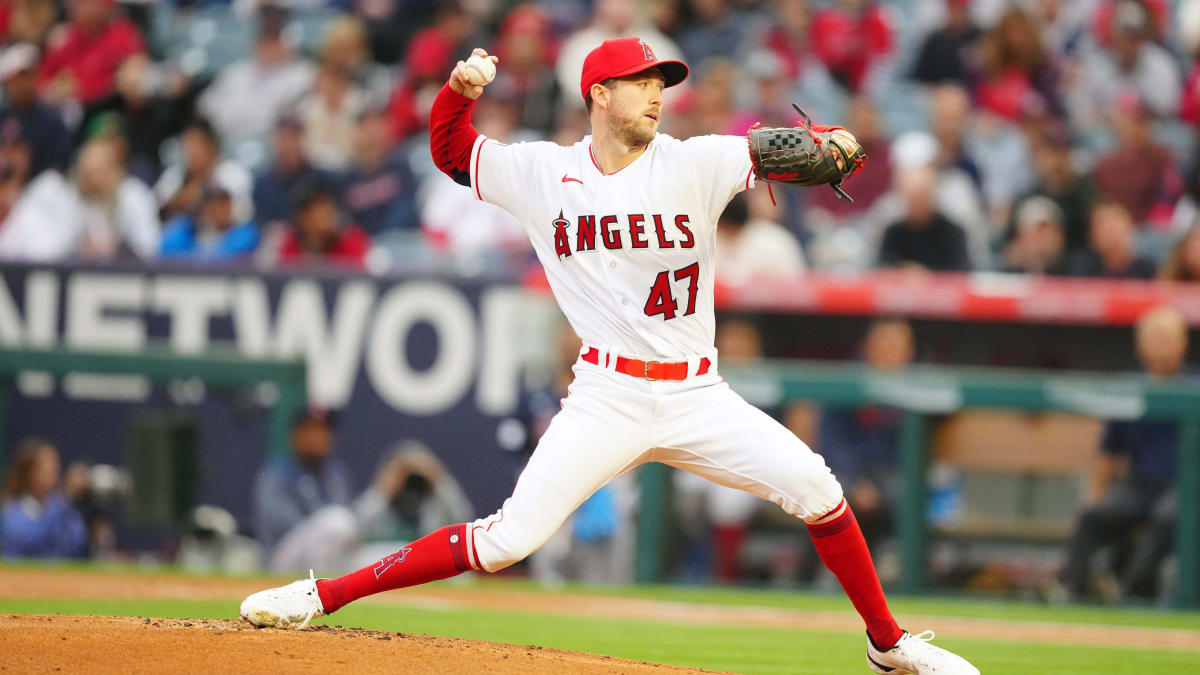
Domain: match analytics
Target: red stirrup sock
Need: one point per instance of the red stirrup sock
(438, 555)
(844, 551)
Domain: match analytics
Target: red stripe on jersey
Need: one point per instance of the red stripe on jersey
(475, 178)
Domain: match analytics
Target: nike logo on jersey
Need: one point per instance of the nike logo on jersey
(611, 233)
(568, 179)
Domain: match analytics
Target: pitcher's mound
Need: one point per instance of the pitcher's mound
(105, 644)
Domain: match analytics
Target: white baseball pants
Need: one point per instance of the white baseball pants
(611, 423)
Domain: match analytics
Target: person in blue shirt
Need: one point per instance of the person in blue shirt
(379, 189)
(861, 444)
(1131, 498)
(36, 517)
(275, 185)
(220, 228)
(301, 501)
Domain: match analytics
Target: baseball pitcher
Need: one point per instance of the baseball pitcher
(624, 223)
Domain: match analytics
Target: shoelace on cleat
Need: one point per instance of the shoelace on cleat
(311, 612)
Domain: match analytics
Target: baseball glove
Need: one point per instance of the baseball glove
(806, 154)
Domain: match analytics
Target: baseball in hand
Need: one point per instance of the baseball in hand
(480, 70)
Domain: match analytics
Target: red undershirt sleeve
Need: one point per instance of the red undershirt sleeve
(451, 135)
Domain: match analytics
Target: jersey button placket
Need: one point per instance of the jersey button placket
(598, 202)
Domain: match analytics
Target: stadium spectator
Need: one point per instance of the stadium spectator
(274, 185)
(249, 95)
(527, 49)
(301, 501)
(1189, 106)
(1187, 209)
(36, 516)
(786, 36)
(1130, 62)
(103, 214)
(391, 26)
(329, 114)
(949, 115)
(29, 21)
(923, 237)
(1017, 73)
(430, 54)
(40, 123)
(1039, 243)
(713, 29)
(412, 494)
(772, 105)
(1140, 172)
(345, 49)
(748, 246)
(319, 232)
(861, 444)
(379, 188)
(1183, 262)
(1111, 252)
(955, 194)
(1058, 179)
(852, 37)
(1065, 29)
(83, 58)
(1187, 22)
(610, 19)
(181, 186)
(1132, 484)
(220, 229)
(949, 54)
(36, 207)
(997, 148)
(117, 214)
(717, 109)
(151, 101)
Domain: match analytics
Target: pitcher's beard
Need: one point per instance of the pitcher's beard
(633, 133)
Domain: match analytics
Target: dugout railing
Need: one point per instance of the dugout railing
(161, 366)
(922, 391)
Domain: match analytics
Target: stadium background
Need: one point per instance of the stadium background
(165, 165)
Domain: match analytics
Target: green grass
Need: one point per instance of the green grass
(732, 648)
(901, 605)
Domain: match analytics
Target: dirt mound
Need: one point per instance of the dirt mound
(102, 644)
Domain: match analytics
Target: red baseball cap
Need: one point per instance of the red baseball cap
(626, 56)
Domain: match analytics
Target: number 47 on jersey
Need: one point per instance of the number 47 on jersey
(662, 301)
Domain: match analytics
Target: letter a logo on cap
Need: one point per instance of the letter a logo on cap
(646, 51)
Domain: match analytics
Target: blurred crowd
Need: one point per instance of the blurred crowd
(1051, 137)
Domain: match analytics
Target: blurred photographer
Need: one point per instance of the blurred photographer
(413, 493)
(37, 519)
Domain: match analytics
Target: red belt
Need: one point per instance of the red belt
(650, 370)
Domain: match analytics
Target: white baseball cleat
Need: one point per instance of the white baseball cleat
(914, 654)
(284, 607)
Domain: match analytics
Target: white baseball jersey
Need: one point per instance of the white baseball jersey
(631, 258)
(631, 255)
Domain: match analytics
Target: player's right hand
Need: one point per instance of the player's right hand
(458, 77)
